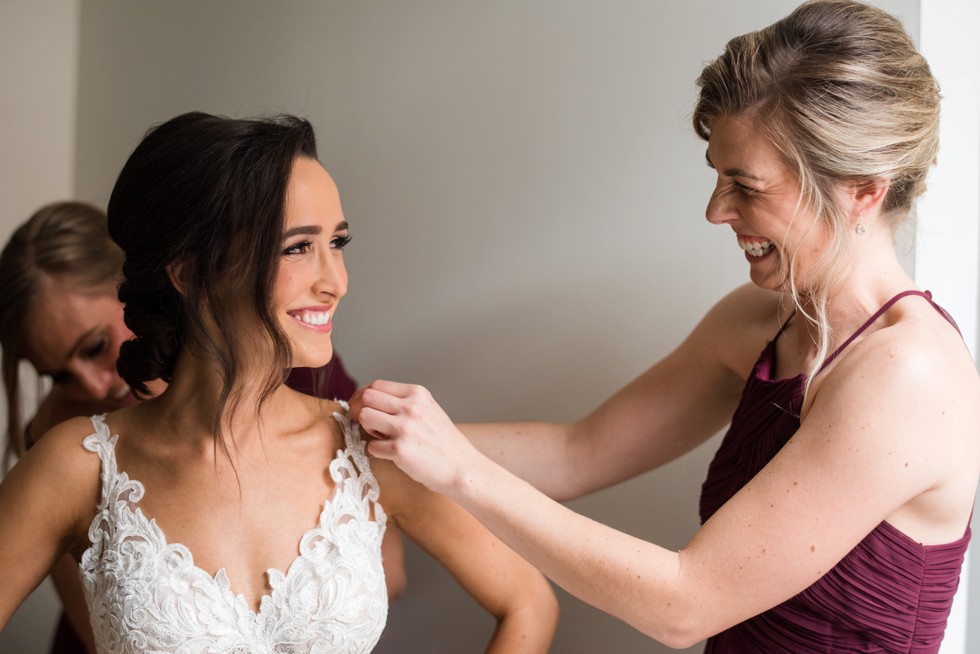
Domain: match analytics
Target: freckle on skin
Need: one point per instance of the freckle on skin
(906, 464)
(813, 548)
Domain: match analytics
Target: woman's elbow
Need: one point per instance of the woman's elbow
(540, 604)
(536, 609)
(678, 627)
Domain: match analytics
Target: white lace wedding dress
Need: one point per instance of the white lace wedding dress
(146, 595)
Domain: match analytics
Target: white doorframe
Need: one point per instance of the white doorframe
(947, 245)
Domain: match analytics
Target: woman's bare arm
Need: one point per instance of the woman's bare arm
(44, 503)
(779, 534)
(503, 583)
(667, 411)
(67, 582)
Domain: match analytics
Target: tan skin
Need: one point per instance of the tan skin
(797, 518)
(73, 336)
(166, 443)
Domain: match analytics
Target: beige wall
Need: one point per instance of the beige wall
(525, 193)
(38, 73)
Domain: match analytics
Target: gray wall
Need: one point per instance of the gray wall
(525, 193)
(38, 69)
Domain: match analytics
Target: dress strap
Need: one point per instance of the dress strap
(785, 324)
(103, 444)
(877, 314)
(782, 328)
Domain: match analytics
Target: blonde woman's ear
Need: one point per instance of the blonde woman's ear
(869, 195)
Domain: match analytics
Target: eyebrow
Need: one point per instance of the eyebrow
(732, 172)
(312, 230)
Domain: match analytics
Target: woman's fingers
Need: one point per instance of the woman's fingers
(382, 449)
(380, 395)
(412, 430)
(379, 424)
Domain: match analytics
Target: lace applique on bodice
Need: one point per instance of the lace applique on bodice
(146, 595)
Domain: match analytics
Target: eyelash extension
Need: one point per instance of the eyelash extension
(338, 243)
(297, 248)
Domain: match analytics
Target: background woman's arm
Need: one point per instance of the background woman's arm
(778, 535)
(667, 411)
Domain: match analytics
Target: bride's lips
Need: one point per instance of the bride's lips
(315, 318)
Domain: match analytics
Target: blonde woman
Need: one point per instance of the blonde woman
(836, 510)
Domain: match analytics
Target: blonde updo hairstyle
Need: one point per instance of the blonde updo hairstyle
(842, 93)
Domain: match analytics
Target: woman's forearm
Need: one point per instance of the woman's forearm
(540, 453)
(633, 580)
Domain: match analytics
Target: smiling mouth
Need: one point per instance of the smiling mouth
(312, 318)
(755, 248)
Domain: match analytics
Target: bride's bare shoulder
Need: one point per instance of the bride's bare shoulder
(59, 472)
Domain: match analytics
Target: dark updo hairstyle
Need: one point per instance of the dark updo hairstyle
(201, 200)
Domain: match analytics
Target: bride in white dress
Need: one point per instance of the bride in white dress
(231, 513)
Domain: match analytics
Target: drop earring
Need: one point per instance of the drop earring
(860, 229)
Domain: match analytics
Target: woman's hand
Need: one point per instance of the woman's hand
(414, 432)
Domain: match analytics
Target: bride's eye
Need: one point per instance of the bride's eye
(300, 247)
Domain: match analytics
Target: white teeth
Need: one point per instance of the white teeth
(755, 248)
(314, 317)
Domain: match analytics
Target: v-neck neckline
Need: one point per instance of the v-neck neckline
(220, 577)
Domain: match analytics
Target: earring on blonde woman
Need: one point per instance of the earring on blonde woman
(860, 229)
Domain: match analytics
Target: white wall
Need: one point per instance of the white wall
(947, 253)
(525, 192)
(38, 73)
